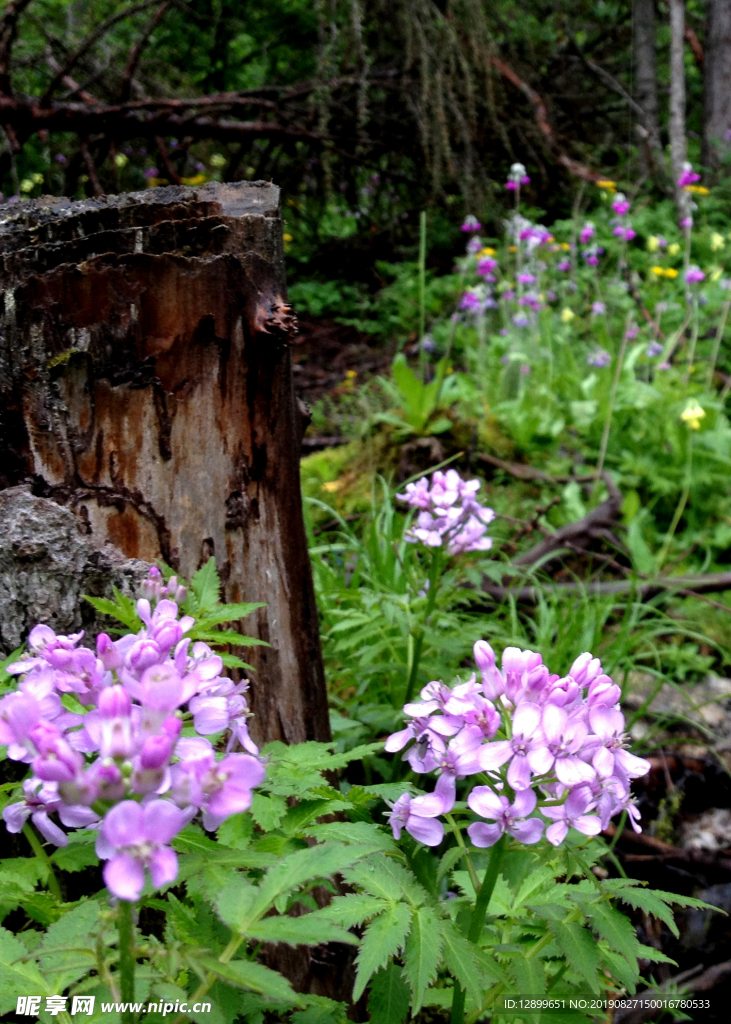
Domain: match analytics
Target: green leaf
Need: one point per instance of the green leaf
(321, 1011)
(67, 951)
(579, 947)
(460, 960)
(254, 977)
(226, 636)
(75, 856)
(613, 926)
(529, 975)
(383, 938)
(448, 861)
(228, 613)
(382, 876)
(421, 957)
(354, 909)
(206, 587)
(651, 901)
(17, 977)
(363, 832)
(268, 811)
(624, 969)
(307, 811)
(388, 997)
(653, 955)
(309, 930)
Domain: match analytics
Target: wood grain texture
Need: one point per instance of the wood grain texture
(146, 384)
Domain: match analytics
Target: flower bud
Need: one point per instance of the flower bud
(108, 653)
(156, 751)
(493, 684)
(143, 655)
(114, 702)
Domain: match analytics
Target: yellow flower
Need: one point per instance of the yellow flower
(332, 485)
(351, 373)
(27, 185)
(671, 272)
(717, 241)
(121, 160)
(610, 186)
(715, 274)
(567, 315)
(699, 190)
(692, 415)
(513, 248)
(196, 179)
(565, 246)
(287, 237)
(487, 251)
(673, 249)
(218, 160)
(652, 243)
(658, 271)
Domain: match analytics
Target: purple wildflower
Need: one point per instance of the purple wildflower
(688, 176)
(511, 818)
(572, 814)
(653, 349)
(471, 224)
(599, 358)
(134, 837)
(418, 816)
(694, 275)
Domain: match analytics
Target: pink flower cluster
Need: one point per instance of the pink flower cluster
(688, 176)
(623, 229)
(542, 743)
(449, 513)
(124, 766)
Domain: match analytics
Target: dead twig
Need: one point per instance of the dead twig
(689, 586)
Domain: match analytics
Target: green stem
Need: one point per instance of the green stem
(610, 410)
(465, 852)
(127, 959)
(717, 343)
(681, 506)
(422, 291)
(204, 986)
(693, 340)
(37, 848)
(419, 636)
(478, 920)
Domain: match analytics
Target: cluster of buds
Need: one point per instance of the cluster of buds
(542, 747)
(517, 176)
(449, 514)
(623, 228)
(123, 767)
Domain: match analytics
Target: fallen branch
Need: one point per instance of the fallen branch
(540, 110)
(664, 851)
(688, 981)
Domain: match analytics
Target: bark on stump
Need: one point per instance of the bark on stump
(145, 383)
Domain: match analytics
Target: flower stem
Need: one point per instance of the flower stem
(477, 920)
(37, 848)
(693, 340)
(419, 635)
(680, 508)
(127, 959)
(610, 410)
(717, 343)
(422, 292)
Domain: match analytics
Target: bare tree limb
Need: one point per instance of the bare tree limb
(8, 29)
(167, 163)
(688, 586)
(87, 43)
(135, 52)
(91, 168)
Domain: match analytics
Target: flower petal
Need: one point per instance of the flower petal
(428, 831)
(519, 774)
(162, 820)
(122, 826)
(124, 876)
(557, 832)
(486, 802)
(483, 835)
(525, 803)
(527, 832)
(163, 866)
(572, 771)
(493, 755)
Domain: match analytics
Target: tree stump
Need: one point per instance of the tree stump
(146, 384)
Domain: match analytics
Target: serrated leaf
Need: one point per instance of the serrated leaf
(616, 929)
(267, 811)
(448, 861)
(388, 997)
(17, 977)
(354, 909)
(579, 947)
(67, 951)
(353, 832)
(321, 1011)
(529, 975)
(421, 956)
(226, 636)
(255, 977)
(646, 900)
(228, 613)
(460, 960)
(307, 811)
(653, 955)
(206, 586)
(309, 930)
(384, 937)
(75, 856)
(624, 969)
(382, 876)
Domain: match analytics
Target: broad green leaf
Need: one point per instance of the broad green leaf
(421, 956)
(75, 856)
(580, 949)
(255, 977)
(460, 960)
(268, 811)
(307, 811)
(383, 938)
(308, 930)
(388, 997)
(321, 1011)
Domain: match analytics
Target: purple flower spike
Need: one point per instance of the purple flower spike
(418, 816)
(471, 224)
(510, 818)
(133, 838)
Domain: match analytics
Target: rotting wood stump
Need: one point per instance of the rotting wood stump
(146, 384)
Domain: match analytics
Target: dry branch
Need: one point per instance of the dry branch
(689, 586)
